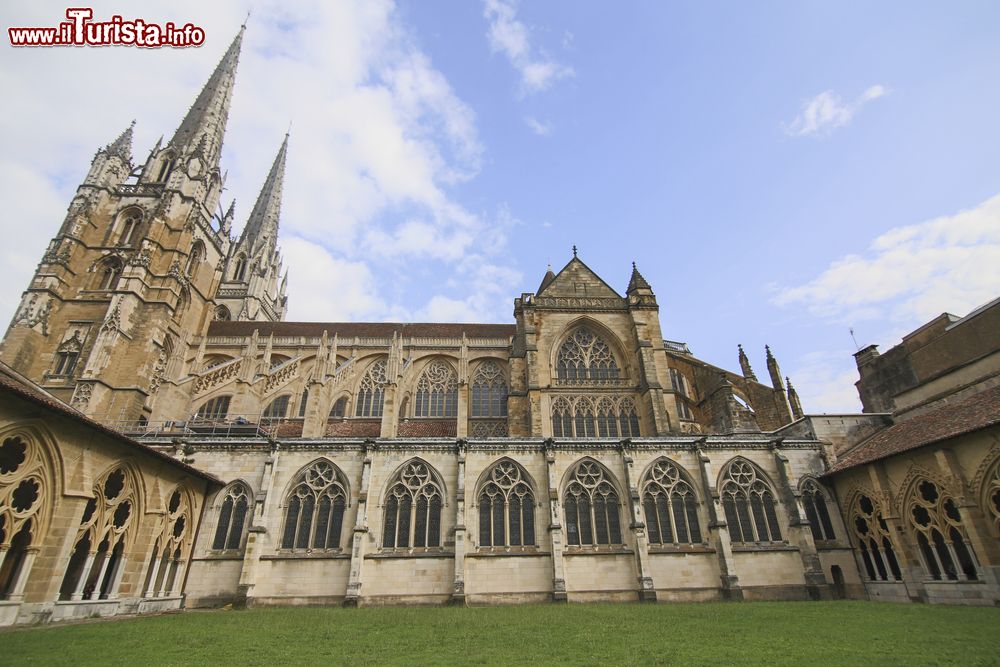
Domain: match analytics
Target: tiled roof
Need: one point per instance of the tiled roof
(977, 412)
(372, 329)
(13, 382)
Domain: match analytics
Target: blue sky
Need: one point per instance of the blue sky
(780, 171)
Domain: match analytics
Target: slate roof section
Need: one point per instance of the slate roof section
(13, 382)
(972, 414)
(371, 329)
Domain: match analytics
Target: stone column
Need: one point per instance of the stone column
(647, 590)
(800, 532)
(17, 593)
(353, 593)
(257, 533)
(976, 523)
(151, 588)
(118, 575)
(84, 576)
(903, 544)
(96, 593)
(555, 525)
(718, 529)
(458, 593)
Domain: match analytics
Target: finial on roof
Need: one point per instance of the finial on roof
(247, 19)
(574, 250)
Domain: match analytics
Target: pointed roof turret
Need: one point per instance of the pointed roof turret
(546, 280)
(262, 226)
(773, 370)
(745, 365)
(637, 282)
(122, 146)
(205, 122)
(793, 400)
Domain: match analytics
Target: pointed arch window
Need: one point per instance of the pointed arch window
(371, 394)
(339, 409)
(166, 167)
(240, 268)
(165, 571)
(131, 220)
(232, 518)
(110, 271)
(195, 258)
(670, 506)
(506, 508)
(991, 498)
(278, 408)
(437, 391)
(489, 391)
(412, 514)
(937, 522)
(749, 505)
(817, 511)
(24, 499)
(590, 417)
(214, 408)
(303, 401)
(874, 542)
(314, 511)
(591, 507)
(105, 531)
(583, 357)
(222, 314)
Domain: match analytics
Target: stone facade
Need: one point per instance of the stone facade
(574, 454)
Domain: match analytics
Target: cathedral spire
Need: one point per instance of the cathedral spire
(745, 365)
(773, 370)
(793, 400)
(262, 225)
(122, 146)
(546, 280)
(637, 282)
(205, 123)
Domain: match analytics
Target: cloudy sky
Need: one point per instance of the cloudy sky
(780, 172)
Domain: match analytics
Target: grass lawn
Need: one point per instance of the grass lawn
(823, 633)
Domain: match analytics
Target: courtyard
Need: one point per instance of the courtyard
(821, 633)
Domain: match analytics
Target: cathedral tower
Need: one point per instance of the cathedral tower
(133, 272)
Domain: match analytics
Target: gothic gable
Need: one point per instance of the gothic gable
(578, 280)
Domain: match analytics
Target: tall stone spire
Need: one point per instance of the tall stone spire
(122, 146)
(745, 365)
(773, 370)
(262, 226)
(204, 126)
(793, 400)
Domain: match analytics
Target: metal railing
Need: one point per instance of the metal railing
(223, 427)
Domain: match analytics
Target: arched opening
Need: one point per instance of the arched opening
(110, 271)
(839, 587)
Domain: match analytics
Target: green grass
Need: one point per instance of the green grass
(812, 633)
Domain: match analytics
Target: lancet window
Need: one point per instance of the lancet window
(489, 391)
(165, 572)
(232, 517)
(105, 531)
(872, 533)
(584, 358)
(937, 523)
(278, 408)
(506, 508)
(371, 393)
(992, 498)
(412, 513)
(437, 391)
(23, 501)
(589, 417)
(817, 511)
(749, 505)
(339, 409)
(110, 272)
(314, 510)
(131, 220)
(670, 506)
(591, 507)
(214, 408)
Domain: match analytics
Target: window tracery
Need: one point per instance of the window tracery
(24, 493)
(339, 409)
(197, 254)
(278, 408)
(670, 506)
(232, 518)
(437, 391)
(872, 533)
(371, 394)
(105, 531)
(817, 512)
(506, 508)
(214, 408)
(314, 514)
(591, 507)
(937, 522)
(749, 505)
(171, 548)
(587, 417)
(111, 270)
(992, 498)
(131, 221)
(412, 516)
(584, 358)
(489, 391)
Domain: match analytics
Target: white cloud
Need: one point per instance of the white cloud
(379, 141)
(827, 111)
(510, 36)
(825, 381)
(912, 273)
(538, 127)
